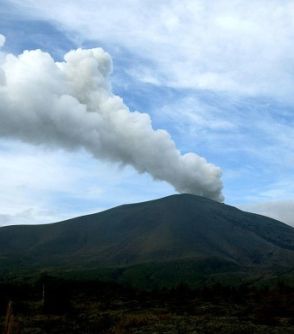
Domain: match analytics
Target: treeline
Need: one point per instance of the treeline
(55, 294)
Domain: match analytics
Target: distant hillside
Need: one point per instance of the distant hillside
(172, 229)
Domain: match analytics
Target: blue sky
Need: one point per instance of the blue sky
(217, 75)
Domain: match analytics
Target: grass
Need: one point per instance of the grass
(86, 307)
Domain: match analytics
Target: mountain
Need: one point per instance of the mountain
(172, 230)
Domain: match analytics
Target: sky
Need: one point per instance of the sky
(139, 99)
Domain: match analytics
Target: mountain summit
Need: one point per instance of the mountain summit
(175, 228)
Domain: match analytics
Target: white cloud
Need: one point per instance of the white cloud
(236, 46)
(193, 116)
(43, 186)
(33, 181)
(280, 210)
(2, 40)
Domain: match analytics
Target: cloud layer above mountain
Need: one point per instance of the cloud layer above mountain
(280, 210)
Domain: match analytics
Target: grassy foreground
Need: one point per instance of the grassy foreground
(54, 305)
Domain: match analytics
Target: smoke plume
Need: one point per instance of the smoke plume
(70, 104)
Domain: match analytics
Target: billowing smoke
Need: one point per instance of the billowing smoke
(70, 105)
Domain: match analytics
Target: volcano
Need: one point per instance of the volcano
(176, 229)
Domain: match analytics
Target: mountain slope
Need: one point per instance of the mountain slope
(170, 229)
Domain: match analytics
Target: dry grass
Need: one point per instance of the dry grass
(10, 325)
(129, 321)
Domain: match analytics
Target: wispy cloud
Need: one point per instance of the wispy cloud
(47, 186)
(241, 46)
(33, 181)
